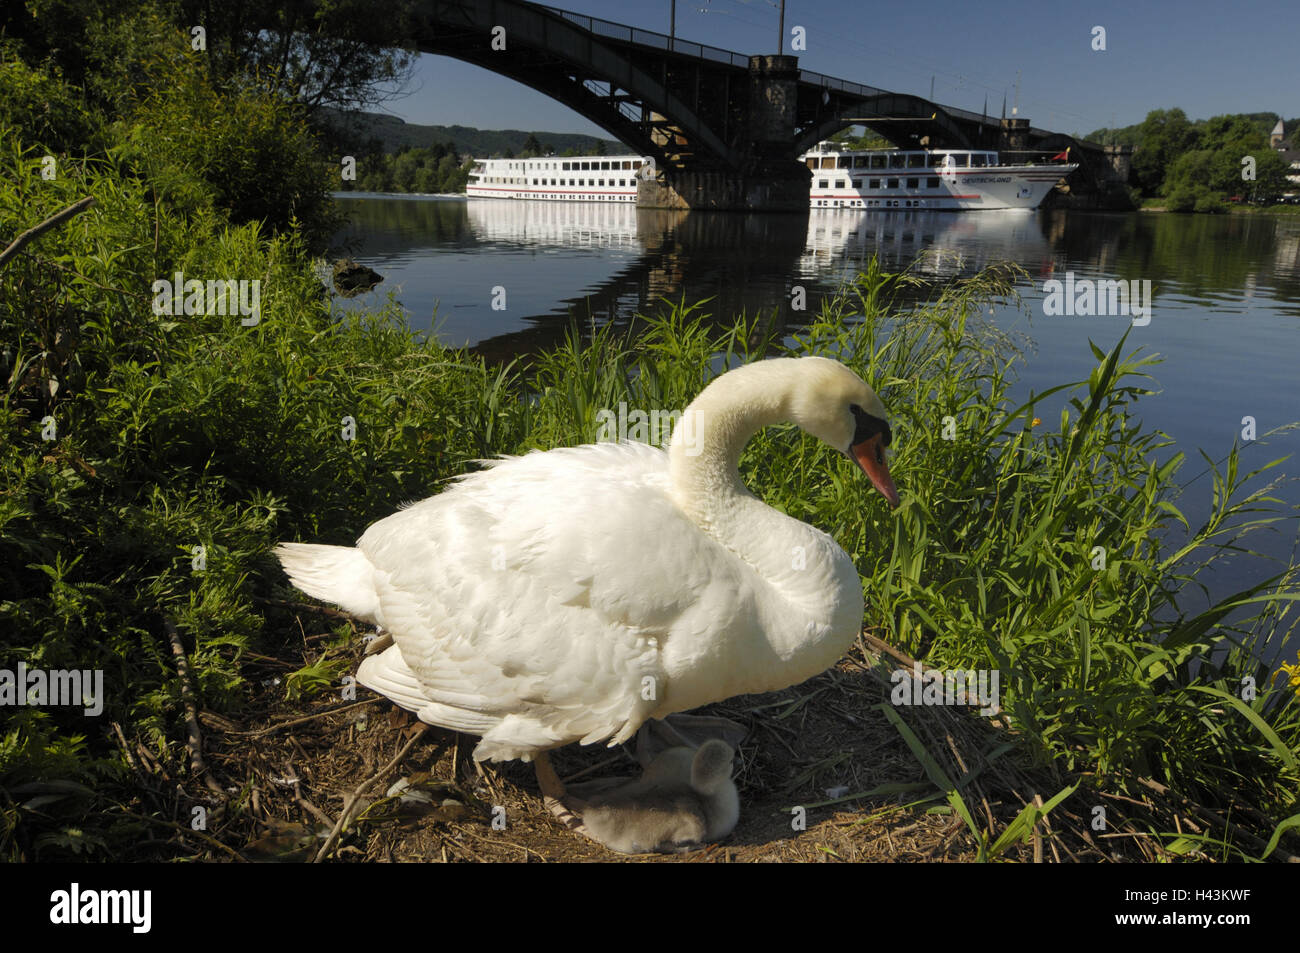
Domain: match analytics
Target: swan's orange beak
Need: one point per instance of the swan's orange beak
(870, 456)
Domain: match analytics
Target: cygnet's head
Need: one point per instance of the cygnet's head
(711, 766)
(835, 405)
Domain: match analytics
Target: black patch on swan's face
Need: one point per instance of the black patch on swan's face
(868, 425)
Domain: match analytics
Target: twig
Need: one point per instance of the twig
(1038, 835)
(194, 739)
(54, 221)
(185, 830)
(305, 804)
(354, 798)
(879, 646)
(304, 719)
(307, 607)
(126, 751)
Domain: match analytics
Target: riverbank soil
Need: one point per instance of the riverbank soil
(288, 768)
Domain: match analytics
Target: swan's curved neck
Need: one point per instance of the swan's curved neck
(805, 589)
(714, 429)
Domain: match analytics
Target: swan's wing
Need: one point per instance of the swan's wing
(539, 593)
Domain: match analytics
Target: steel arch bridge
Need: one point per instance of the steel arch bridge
(701, 112)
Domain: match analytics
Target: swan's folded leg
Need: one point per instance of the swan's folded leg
(554, 795)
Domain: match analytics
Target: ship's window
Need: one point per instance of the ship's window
(636, 163)
(963, 160)
(859, 162)
(916, 160)
(891, 184)
(565, 167)
(812, 163)
(841, 184)
(604, 166)
(828, 163)
(586, 166)
(844, 162)
(873, 184)
(913, 183)
(821, 184)
(857, 183)
(977, 160)
(932, 182)
(878, 162)
(934, 159)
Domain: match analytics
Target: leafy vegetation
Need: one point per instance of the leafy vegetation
(1198, 166)
(867, 140)
(411, 170)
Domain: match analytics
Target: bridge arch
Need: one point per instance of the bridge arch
(574, 60)
(887, 114)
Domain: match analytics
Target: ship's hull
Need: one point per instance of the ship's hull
(552, 195)
(997, 187)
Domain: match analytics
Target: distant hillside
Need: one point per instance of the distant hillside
(369, 133)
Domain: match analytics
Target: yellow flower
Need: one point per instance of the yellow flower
(1036, 422)
(1293, 674)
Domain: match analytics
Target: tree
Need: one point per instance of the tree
(1232, 158)
(532, 148)
(344, 53)
(1162, 137)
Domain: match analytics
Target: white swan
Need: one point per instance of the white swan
(571, 595)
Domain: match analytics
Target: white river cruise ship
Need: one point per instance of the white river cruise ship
(559, 178)
(935, 179)
(939, 179)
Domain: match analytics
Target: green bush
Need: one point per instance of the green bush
(1210, 202)
(39, 108)
(1181, 199)
(240, 149)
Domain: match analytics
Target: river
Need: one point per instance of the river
(1224, 296)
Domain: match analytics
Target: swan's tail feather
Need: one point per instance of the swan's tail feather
(338, 574)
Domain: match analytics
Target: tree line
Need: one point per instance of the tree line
(438, 168)
(1202, 165)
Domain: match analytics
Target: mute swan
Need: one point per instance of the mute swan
(685, 798)
(570, 595)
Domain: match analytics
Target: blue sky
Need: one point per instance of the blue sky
(1205, 57)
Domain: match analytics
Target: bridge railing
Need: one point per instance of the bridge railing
(858, 89)
(628, 34)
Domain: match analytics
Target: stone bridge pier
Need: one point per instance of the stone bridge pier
(766, 181)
